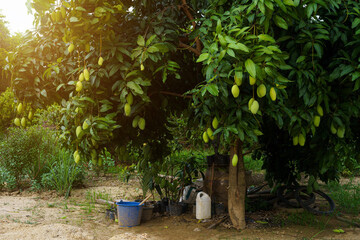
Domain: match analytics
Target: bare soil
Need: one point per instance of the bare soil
(29, 215)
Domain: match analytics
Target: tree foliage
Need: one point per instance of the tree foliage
(7, 43)
(307, 52)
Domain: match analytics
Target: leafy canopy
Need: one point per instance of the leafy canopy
(292, 66)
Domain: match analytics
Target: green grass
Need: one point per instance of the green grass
(346, 196)
(308, 219)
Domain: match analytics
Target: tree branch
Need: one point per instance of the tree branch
(250, 150)
(170, 93)
(183, 45)
(185, 7)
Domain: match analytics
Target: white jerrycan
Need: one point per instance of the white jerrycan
(203, 206)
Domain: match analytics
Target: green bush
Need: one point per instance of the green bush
(7, 181)
(7, 109)
(63, 174)
(27, 152)
(49, 117)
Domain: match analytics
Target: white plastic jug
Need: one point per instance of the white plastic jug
(203, 206)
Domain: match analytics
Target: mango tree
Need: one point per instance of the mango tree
(113, 67)
(287, 70)
(256, 71)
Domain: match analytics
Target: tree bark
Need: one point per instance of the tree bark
(237, 188)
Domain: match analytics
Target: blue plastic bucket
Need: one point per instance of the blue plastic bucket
(129, 213)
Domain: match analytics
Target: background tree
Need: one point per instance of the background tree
(7, 43)
(4, 47)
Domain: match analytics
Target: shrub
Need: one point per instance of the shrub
(7, 181)
(49, 117)
(27, 152)
(63, 174)
(7, 109)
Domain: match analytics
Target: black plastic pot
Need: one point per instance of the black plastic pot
(220, 209)
(175, 209)
(184, 207)
(110, 214)
(147, 213)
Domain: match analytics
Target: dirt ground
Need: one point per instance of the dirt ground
(29, 215)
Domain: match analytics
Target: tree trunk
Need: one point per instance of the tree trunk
(237, 188)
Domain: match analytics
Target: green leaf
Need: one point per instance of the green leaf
(218, 27)
(269, 4)
(66, 4)
(221, 55)
(230, 52)
(60, 86)
(318, 49)
(281, 5)
(239, 46)
(309, 10)
(113, 70)
(99, 12)
(80, 9)
(357, 85)
(141, 41)
(213, 89)
(163, 48)
(203, 57)
(346, 70)
(222, 40)
(300, 59)
(265, 37)
(134, 86)
(43, 92)
(280, 22)
(87, 99)
(94, 21)
(152, 49)
(105, 108)
(241, 134)
(250, 67)
(355, 23)
(289, 3)
(74, 19)
(150, 39)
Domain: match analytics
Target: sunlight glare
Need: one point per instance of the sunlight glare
(16, 14)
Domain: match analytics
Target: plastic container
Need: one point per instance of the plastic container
(220, 209)
(129, 213)
(203, 206)
(110, 214)
(175, 209)
(147, 213)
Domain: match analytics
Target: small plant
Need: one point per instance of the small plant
(347, 196)
(126, 172)
(25, 152)
(309, 219)
(91, 197)
(63, 174)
